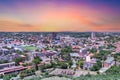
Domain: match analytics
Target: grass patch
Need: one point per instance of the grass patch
(29, 48)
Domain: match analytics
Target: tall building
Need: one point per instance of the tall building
(54, 35)
(92, 35)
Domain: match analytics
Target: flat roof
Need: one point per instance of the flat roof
(109, 60)
(7, 63)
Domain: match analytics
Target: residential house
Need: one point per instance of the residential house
(108, 62)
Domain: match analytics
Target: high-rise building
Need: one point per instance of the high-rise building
(54, 35)
(92, 35)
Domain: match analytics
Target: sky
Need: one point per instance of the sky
(59, 15)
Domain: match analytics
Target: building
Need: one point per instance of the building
(7, 65)
(51, 53)
(76, 48)
(54, 35)
(83, 52)
(7, 68)
(89, 62)
(12, 70)
(75, 56)
(108, 62)
(5, 51)
(92, 35)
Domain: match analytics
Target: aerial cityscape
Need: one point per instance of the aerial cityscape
(59, 40)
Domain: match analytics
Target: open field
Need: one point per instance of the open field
(30, 48)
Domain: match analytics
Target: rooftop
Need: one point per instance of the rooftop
(109, 60)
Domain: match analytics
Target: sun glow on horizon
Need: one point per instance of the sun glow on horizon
(58, 16)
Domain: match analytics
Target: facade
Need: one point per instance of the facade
(108, 62)
(89, 62)
(7, 65)
(7, 68)
(83, 52)
(92, 35)
(54, 35)
(12, 70)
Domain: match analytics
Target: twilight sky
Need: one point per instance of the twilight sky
(59, 15)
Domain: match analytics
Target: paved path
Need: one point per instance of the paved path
(56, 78)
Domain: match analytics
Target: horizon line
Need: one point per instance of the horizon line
(57, 31)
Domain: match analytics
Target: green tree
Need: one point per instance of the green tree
(70, 63)
(93, 50)
(116, 58)
(9, 76)
(63, 65)
(113, 70)
(65, 53)
(97, 66)
(36, 61)
(102, 55)
(80, 63)
(18, 60)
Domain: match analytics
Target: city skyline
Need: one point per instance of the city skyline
(59, 15)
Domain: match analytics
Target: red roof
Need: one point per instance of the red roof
(7, 70)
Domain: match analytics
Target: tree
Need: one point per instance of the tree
(116, 58)
(9, 76)
(63, 65)
(66, 50)
(110, 46)
(70, 63)
(93, 50)
(80, 63)
(97, 66)
(36, 61)
(113, 70)
(37, 50)
(65, 53)
(18, 60)
(102, 55)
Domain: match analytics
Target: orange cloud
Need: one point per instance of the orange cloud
(15, 26)
(48, 17)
